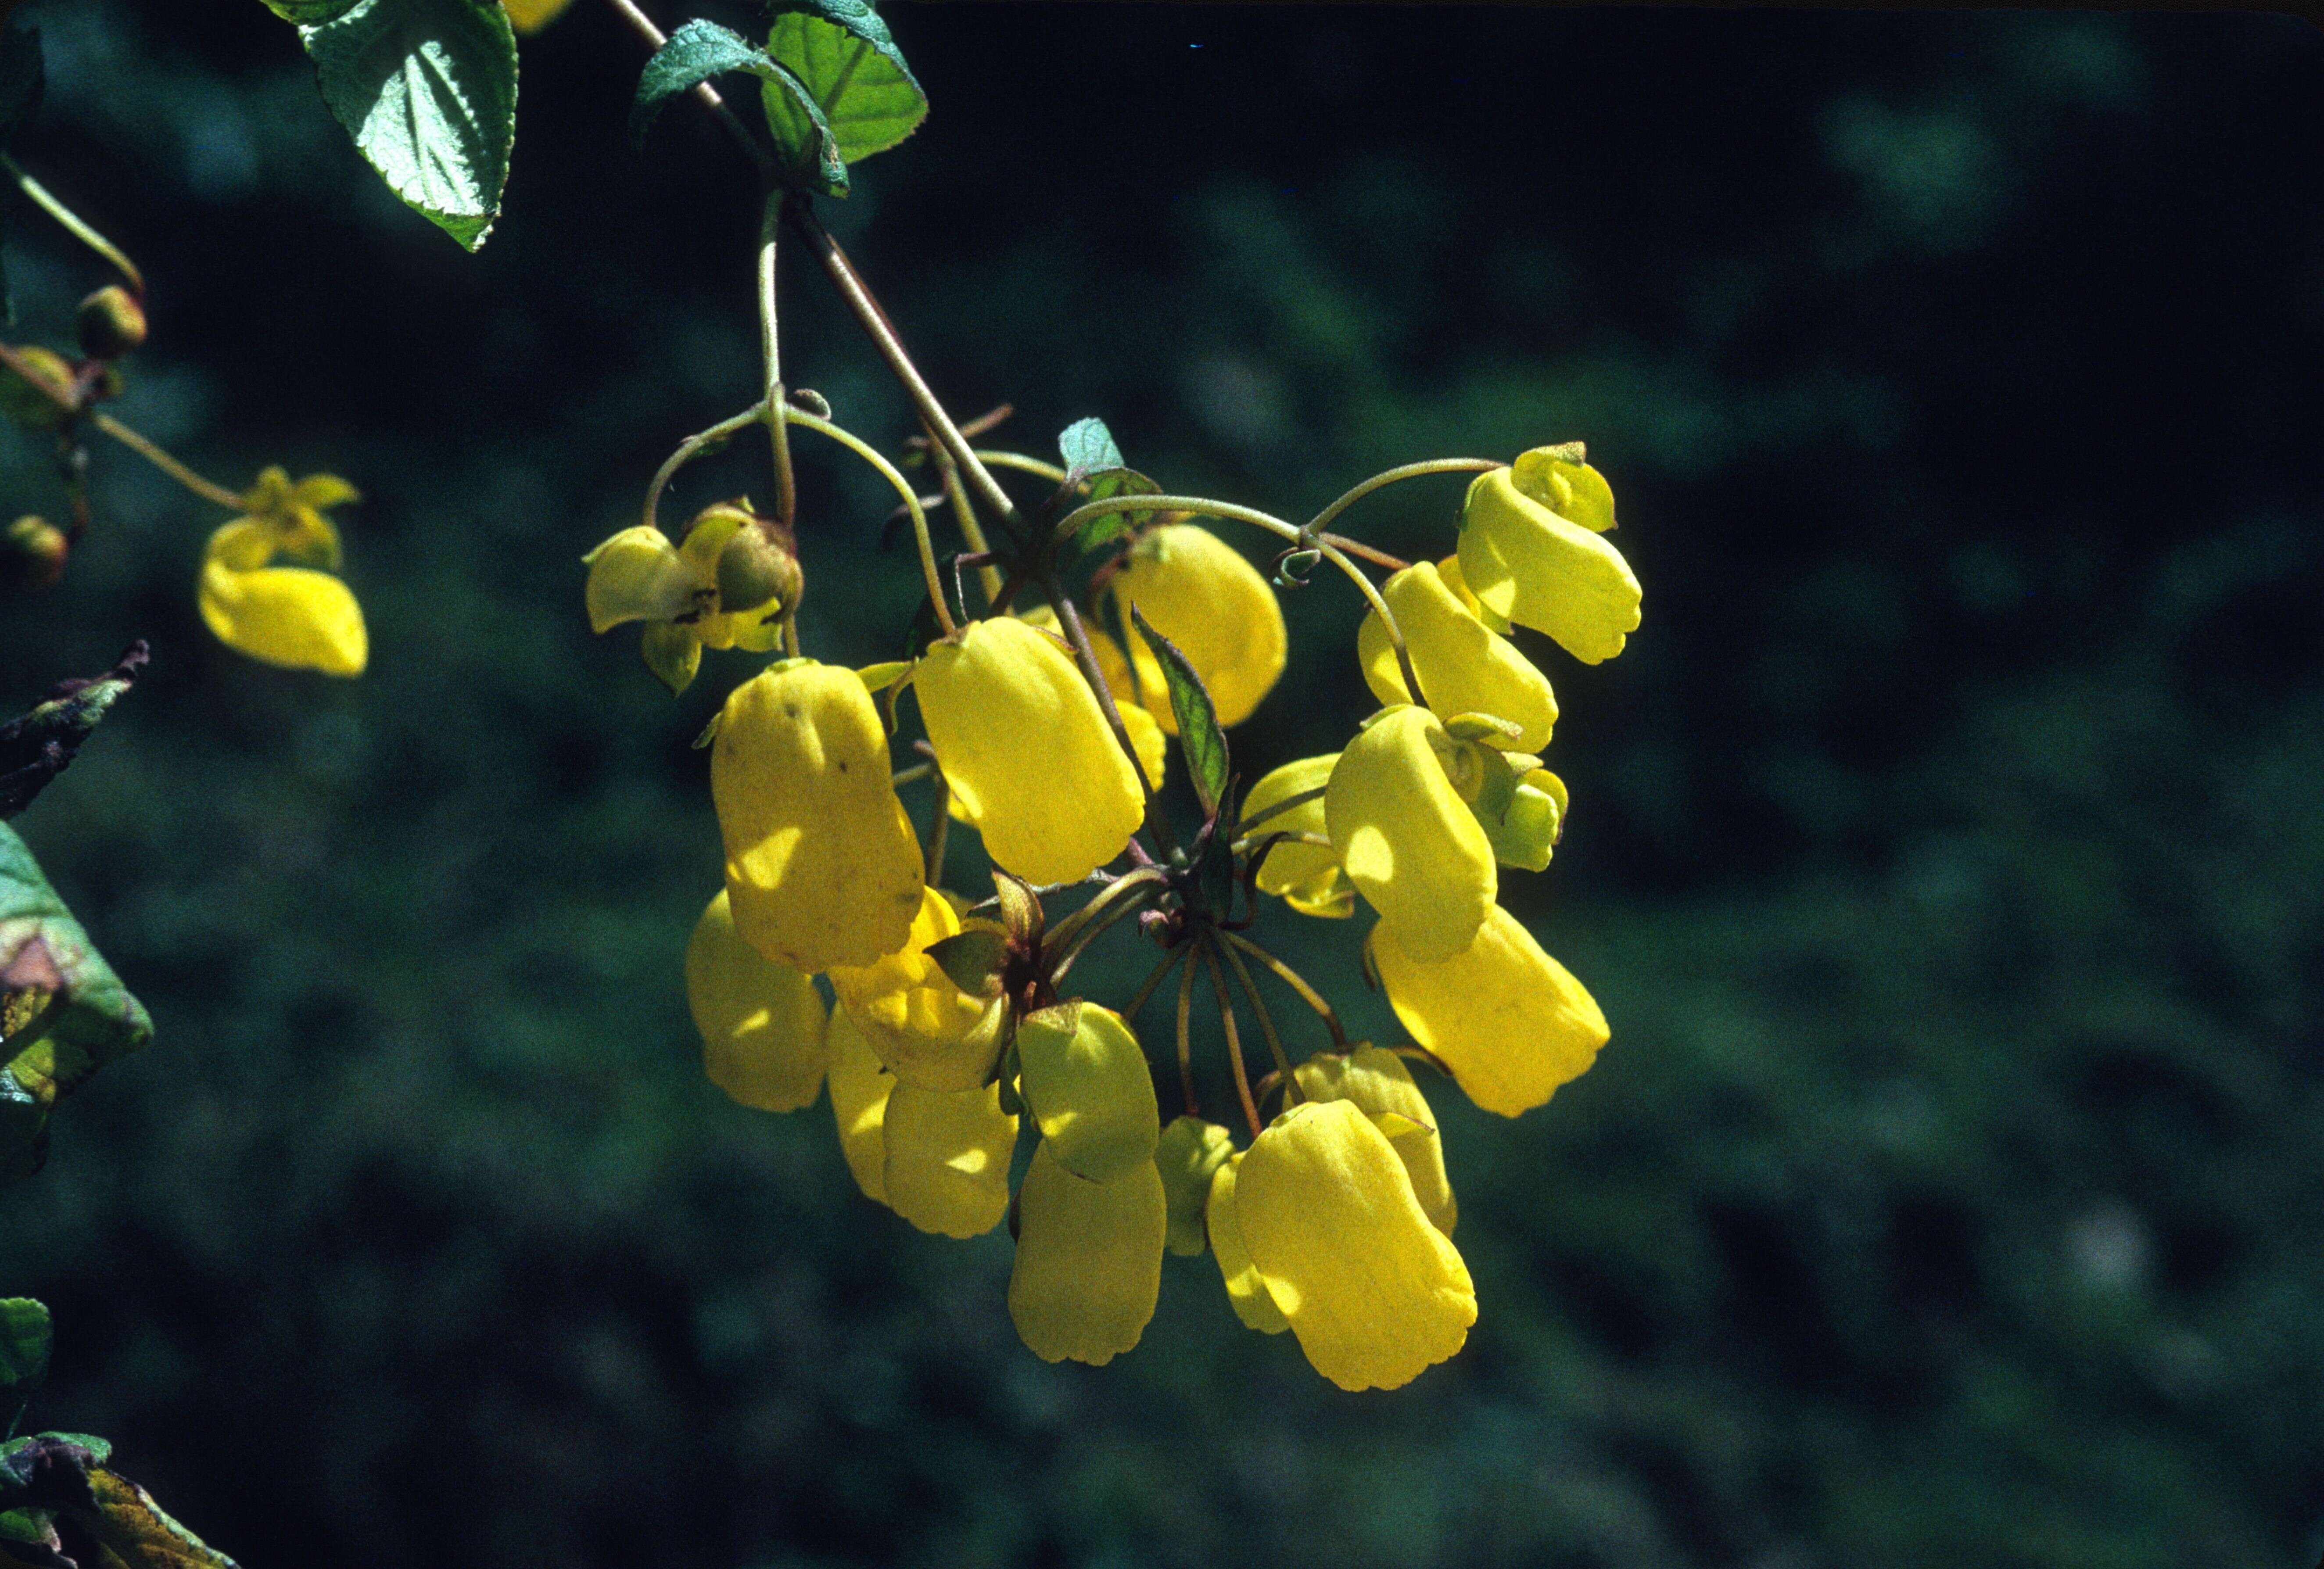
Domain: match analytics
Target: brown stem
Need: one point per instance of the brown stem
(1234, 1041)
(1293, 979)
(1185, 1037)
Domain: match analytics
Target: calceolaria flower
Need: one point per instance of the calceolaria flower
(954, 1053)
(298, 614)
(724, 586)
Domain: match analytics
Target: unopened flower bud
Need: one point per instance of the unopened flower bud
(757, 567)
(112, 322)
(28, 404)
(35, 552)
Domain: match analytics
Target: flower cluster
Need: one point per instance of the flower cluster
(943, 1024)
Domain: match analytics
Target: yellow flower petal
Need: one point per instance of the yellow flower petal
(1528, 565)
(1463, 666)
(928, 1031)
(1574, 491)
(860, 1088)
(947, 1158)
(1189, 1151)
(1507, 1019)
(1246, 1292)
(761, 1023)
(532, 15)
(1307, 877)
(1379, 1086)
(286, 615)
(638, 574)
(1201, 593)
(1089, 1259)
(1087, 1085)
(1409, 843)
(1448, 572)
(820, 858)
(1019, 737)
(1374, 1292)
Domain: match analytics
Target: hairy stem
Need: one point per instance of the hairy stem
(771, 354)
(1357, 492)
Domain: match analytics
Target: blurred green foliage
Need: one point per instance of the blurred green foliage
(1946, 849)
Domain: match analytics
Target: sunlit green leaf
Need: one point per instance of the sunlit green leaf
(427, 90)
(1199, 736)
(854, 75)
(1088, 447)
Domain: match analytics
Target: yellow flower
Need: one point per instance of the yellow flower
(1381, 1087)
(1089, 1259)
(299, 615)
(1246, 1292)
(1507, 1019)
(1187, 1155)
(1375, 1293)
(1463, 666)
(638, 574)
(1199, 591)
(821, 862)
(1087, 1085)
(532, 15)
(860, 1088)
(1021, 740)
(761, 1023)
(1407, 839)
(946, 1165)
(1146, 735)
(1307, 877)
(1529, 565)
(928, 1032)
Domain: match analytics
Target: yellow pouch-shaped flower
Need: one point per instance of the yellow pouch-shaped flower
(1375, 1293)
(928, 1031)
(1246, 1292)
(1505, 1017)
(1464, 666)
(1187, 1155)
(1448, 572)
(1409, 841)
(860, 1088)
(1021, 740)
(1307, 877)
(1087, 1085)
(1379, 1085)
(821, 862)
(293, 616)
(947, 1158)
(1089, 1259)
(1199, 591)
(1528, 565)
(761, 1023)
(1146, 736)
(638, 574)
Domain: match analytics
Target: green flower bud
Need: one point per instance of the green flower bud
(34, 552)
(27, 404)
(757, 567)
(112, 322)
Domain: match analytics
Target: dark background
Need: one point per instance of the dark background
(1946, 850)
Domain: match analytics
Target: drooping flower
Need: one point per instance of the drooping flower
(1381, 1087)
(1507, 1019)
(1021, 740)
(1405, 836)
(1087, 1086)
(299, 615)
(762, 1024)
(1528, 564)
(1247, 1293)
(926, 1030)
(1188, 1153)
(1307, 877)
(1089, 1259)
(945, 1165)
(1464, 666)
(721, 587)
(860, 1088)
(821, 863)
(1200, 592)
(1375, 1292)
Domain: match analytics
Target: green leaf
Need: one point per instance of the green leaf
(1199, 736)
(308, 12)
(1104, 486)
(853, 73)
(1088, 447)
(427, 90)
(1093, 458)
(65, 1014)
(24, 1337)
(701, 50)
(136, 1530)
(37, 746)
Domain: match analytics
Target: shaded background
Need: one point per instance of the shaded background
(1946, 850)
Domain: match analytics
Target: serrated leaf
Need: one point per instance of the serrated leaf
(427, 90)
(38, 745)
(1199, 736)
(701, 50)
(1088, 447)
(971, 958)
(67, 1014)
(854, 76)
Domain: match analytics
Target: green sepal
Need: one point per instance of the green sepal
(972, 957)
(427, 90)
(1484, 727)
(68, 1013)
(672, 652)
(1521, 821)
(1200, 738)
(1021, 915)
(860, 91)
(889, 673)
